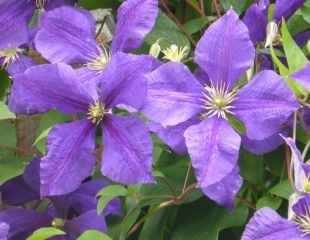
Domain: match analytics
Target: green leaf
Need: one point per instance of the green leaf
(251, 167)
(237, 124)
(305, 12)
(93, 235)
(107, 194)
(167, 32)
(157, 227)
(239, 5)
(45, 233)
(269, 201)
(197, 24)
(282, 189)
(5, 112)
(203, 219)
(296, 59)
(42, 136)
(284, 71)
(297, 24)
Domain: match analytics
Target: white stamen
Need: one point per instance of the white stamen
(10, 55)
(40, 3)
(217, 101)
(304, 221)
(99, 63)
(175, 53)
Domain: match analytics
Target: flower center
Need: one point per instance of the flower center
(10, 55)
(100, 62)
(306, 185)
(96, 112)
(217, 101)
(175, 53)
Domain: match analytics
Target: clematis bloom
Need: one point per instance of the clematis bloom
(174, 97)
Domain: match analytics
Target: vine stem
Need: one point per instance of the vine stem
(194, 6)
(176, 20)
(304, 153)
(202, 7)
(295, 126)
(187, 175)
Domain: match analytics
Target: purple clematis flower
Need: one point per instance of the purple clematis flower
(72, 32)
(269, 225)
(301, 169)
(15, 16)
(127, 154)
(74, 212)
(263, 105)
(256, 17)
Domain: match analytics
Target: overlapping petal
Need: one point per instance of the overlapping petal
(20, 65)
(256, 19)
(122, 81)
(70, 157)
(87, 221)
(267, 224)
(173, 96)
(214, 149)
(23, 222)
(127, 154)
(225, 191)
(135, 19)
(260, 147)
(303, 77)
(51, 4)
(173, 136)
(4, 230)
(264, 105)
(225, 51)
(72, 34)
(286, 8)
(49, 86)
(15, 16)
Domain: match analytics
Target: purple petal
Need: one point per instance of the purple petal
(174, 95)
(23, 222)
(301, 207)
(85, 199)
(267, 224)
(16, 192)
(87, 221)
(173, 136)
(70, 159)
(202, 77)
(14, 18)
(260, 147)
(135, 19)
(286, 8)
(127, 154)
(46, 87)
(225, 51)
(303, 77)
(72, 32)
(299, 173)
(4, 230)
(306, 119)
(121, 82)
(51, 4)
(214, 149)
(256, 20)
(302, 38)
(20, 65)
(24, 188)
(225, 191)
(264, 105)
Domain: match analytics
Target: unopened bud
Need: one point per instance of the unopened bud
(272, 33)
(155, 49)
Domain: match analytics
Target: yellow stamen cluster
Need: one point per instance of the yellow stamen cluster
(10, 55)
(175, 54)
(306, 185)
(96, 112)
(217, 101)
(99, 63)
